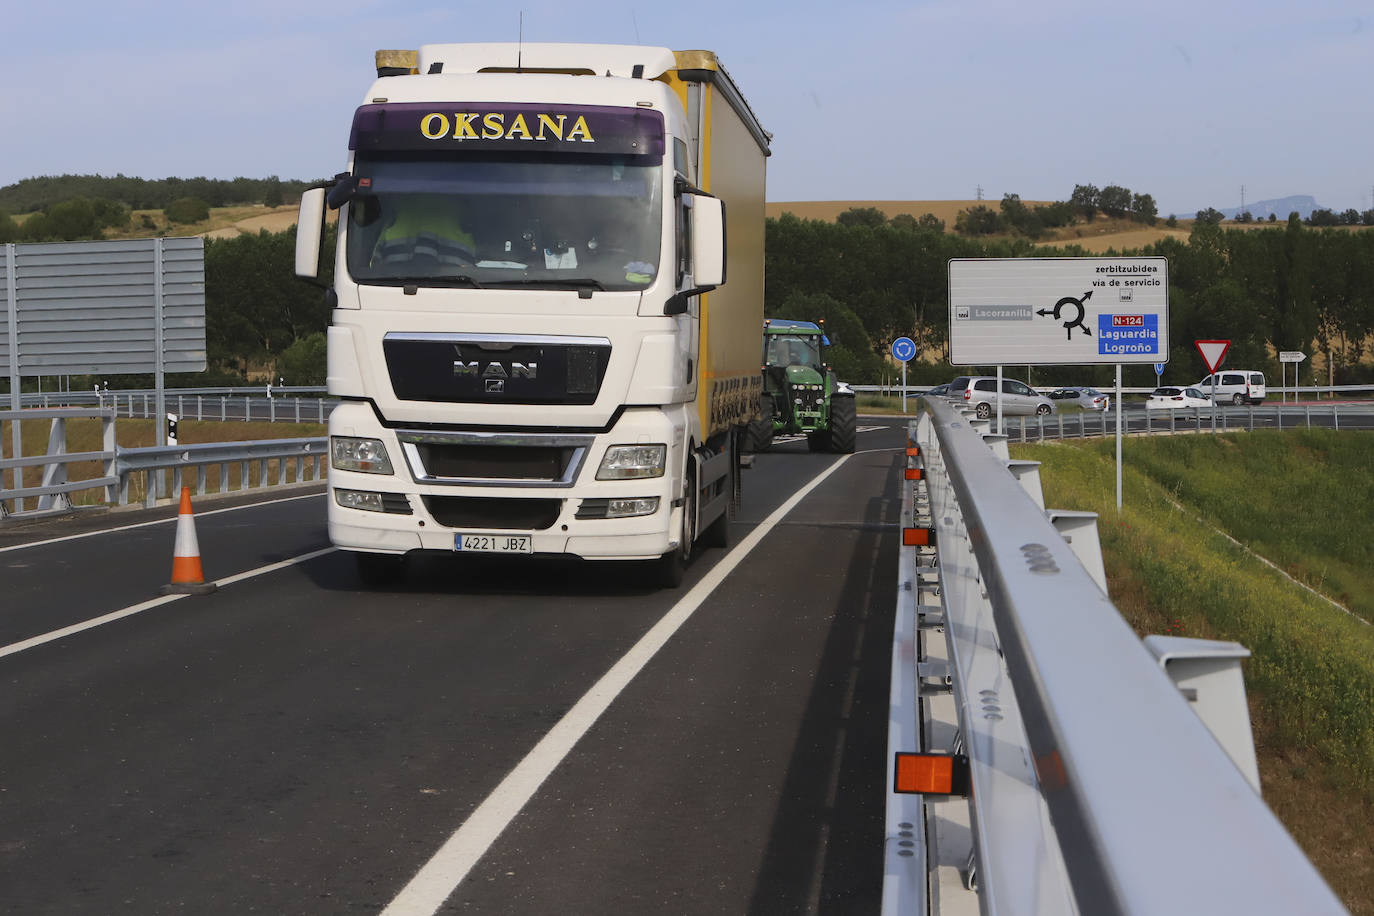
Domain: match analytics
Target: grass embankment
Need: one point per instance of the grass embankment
(1301, 500)
(85, 436)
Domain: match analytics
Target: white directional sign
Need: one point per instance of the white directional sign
(1291, 356)
(1058, 311)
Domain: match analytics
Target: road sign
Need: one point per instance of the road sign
(1291, 356)
(1058, 311)
(903, 349)
(1159, 369)
(1213, 352)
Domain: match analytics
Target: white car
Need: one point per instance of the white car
(1236, 386)
(1177, 399)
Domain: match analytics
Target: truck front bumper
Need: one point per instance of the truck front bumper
(423, 511)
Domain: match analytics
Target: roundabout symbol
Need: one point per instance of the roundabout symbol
(1076, 322)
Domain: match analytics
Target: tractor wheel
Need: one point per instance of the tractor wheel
(819, 441)
(844, 419)
(758, 436)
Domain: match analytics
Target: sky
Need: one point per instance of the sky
(1195, 102)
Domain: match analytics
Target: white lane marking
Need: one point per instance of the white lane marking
(441, 875)
(34, 641)
(160, 521)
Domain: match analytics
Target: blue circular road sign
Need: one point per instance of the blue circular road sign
(1159, 368)
(903, 349)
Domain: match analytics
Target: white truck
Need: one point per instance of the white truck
(531, 336)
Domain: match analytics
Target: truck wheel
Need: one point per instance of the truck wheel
(379, 569)
(672, 566)
(844, 419)
(758, 435)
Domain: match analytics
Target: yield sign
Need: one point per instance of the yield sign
(1213, 352)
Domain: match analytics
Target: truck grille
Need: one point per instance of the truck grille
(494, 514)
(515, 369)
(493, 459)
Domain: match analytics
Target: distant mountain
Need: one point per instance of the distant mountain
(1303, 204)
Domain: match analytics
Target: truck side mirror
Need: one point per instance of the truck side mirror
(708, 241)
(309, 230)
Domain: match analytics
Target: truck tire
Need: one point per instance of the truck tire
(376, 570)
(671, 568)
(758, 435)
(844, 421)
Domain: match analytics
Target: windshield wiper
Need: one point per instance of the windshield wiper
(456, 280)
(560, 283)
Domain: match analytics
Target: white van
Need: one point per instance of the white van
(1235, 386)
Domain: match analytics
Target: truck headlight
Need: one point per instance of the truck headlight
(359, 499)
(366, 455)
(632, 462)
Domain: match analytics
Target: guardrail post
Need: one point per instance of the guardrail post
(1307, 408)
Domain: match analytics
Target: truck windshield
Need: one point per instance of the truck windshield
(552, 221)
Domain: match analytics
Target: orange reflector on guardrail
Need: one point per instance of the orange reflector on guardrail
(915, 474)
(918, 537)
(931, 774)
(913, 451)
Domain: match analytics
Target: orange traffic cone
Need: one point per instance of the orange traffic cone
(187, 576)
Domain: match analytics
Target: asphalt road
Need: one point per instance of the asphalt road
(295, 744)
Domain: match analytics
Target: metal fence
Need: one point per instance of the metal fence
(1096, 788)
(147, 475)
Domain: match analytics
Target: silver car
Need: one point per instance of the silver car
(980, 393)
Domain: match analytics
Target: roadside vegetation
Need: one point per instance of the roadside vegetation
(1301, 500)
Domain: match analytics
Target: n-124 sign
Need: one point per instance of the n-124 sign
(1058, 311)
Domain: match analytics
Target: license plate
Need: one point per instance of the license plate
(493, 543)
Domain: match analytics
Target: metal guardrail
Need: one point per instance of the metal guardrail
(158, 471)
(1095, 786)
(272, 404)
(1274, 392)
(1202, 420)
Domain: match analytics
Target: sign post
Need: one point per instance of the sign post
(903, 350)
(1286, 357)
(1213, 354)
(1060, 312)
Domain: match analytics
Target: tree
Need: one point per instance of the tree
(979, 220)
(1115, 200)
(931, 221)
(9, 229)
(303, 363)
(273, 196)
(1086, 198)
(1209, 215)
(862, 216)
(187, 210)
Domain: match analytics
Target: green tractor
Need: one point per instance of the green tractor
(800, 392)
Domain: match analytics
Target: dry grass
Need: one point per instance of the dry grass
(224, 222)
